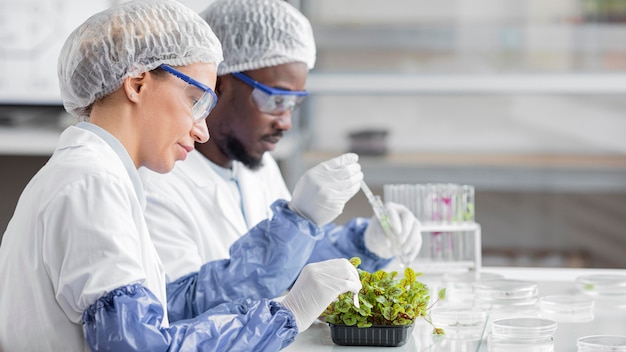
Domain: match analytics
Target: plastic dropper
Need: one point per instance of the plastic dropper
(383, 219)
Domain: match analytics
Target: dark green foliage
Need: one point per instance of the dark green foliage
(384, 300)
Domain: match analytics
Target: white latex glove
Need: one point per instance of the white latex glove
(406, 228)
(318, 285)
(322, 191)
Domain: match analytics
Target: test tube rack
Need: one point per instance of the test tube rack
(461, 249)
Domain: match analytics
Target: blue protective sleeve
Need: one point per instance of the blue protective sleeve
(130, 319)
(262, 264)
(346, 242)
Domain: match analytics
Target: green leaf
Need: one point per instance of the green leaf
(397, 309)
(380, 275)
(388, 313)
(349, 319)
(438, 331)
(365, 310)
(442, 294)
(364, 324)
(381, 299)
(366, 278)
(356, 261)
(394, 291)
(343, 306)
(331, 318)
(409, 275)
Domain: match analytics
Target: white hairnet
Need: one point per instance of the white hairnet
(260, 33)
(127, 40)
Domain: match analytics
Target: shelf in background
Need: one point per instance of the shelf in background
(509, 172)
(28, 140)
(395, 83)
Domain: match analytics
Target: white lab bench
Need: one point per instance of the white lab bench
(607, 320)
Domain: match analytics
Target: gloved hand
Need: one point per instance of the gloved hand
(322, 191)
(405, 227)
(318, 285)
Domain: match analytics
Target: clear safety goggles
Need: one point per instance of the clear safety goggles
(201, 97)
(271, 100)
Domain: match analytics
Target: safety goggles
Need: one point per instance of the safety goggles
(270, 100)
(202, 98)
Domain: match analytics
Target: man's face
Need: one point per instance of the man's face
(239, 131)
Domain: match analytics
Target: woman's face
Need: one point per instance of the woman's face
(169, 130)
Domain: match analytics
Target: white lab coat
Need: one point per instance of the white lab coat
(78, 232)
(194, 218)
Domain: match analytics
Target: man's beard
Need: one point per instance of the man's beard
(237, 151)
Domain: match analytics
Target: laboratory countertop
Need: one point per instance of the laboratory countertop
(608, 319)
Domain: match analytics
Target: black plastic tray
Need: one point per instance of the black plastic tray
(376, 335)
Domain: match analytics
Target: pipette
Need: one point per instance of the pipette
(383, 219)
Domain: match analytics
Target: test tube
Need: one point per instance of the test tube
(439, 203)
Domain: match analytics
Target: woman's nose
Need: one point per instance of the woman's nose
(200, 131)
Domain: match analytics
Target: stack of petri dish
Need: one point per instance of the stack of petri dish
(460, 286)
(460, 323)
(600, 343)
(506, 297)
(608, 290)
(528, 334)
(567, 308)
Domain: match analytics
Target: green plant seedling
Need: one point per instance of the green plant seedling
(384, 299)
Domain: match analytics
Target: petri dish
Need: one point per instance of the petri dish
(524, 328)
(524, 304)
(601, 343)
(496, 344)
(460, 323)
(459, 286)
(602, 285)
(499, 290)
(567, 308)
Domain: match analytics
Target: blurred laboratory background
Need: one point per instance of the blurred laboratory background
(523, 99)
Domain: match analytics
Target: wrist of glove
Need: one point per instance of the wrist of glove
(318, 285)
(407, 234)
(322, 192)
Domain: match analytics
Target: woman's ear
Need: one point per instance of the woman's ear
(133, 86)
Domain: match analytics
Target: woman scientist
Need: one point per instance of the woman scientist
(79, 270)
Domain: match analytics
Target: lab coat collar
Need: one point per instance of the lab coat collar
(119, 149)
(235, 212)
(191, 167)
(250, 190)
(197, 161)
(207, 179)
(224, 173)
